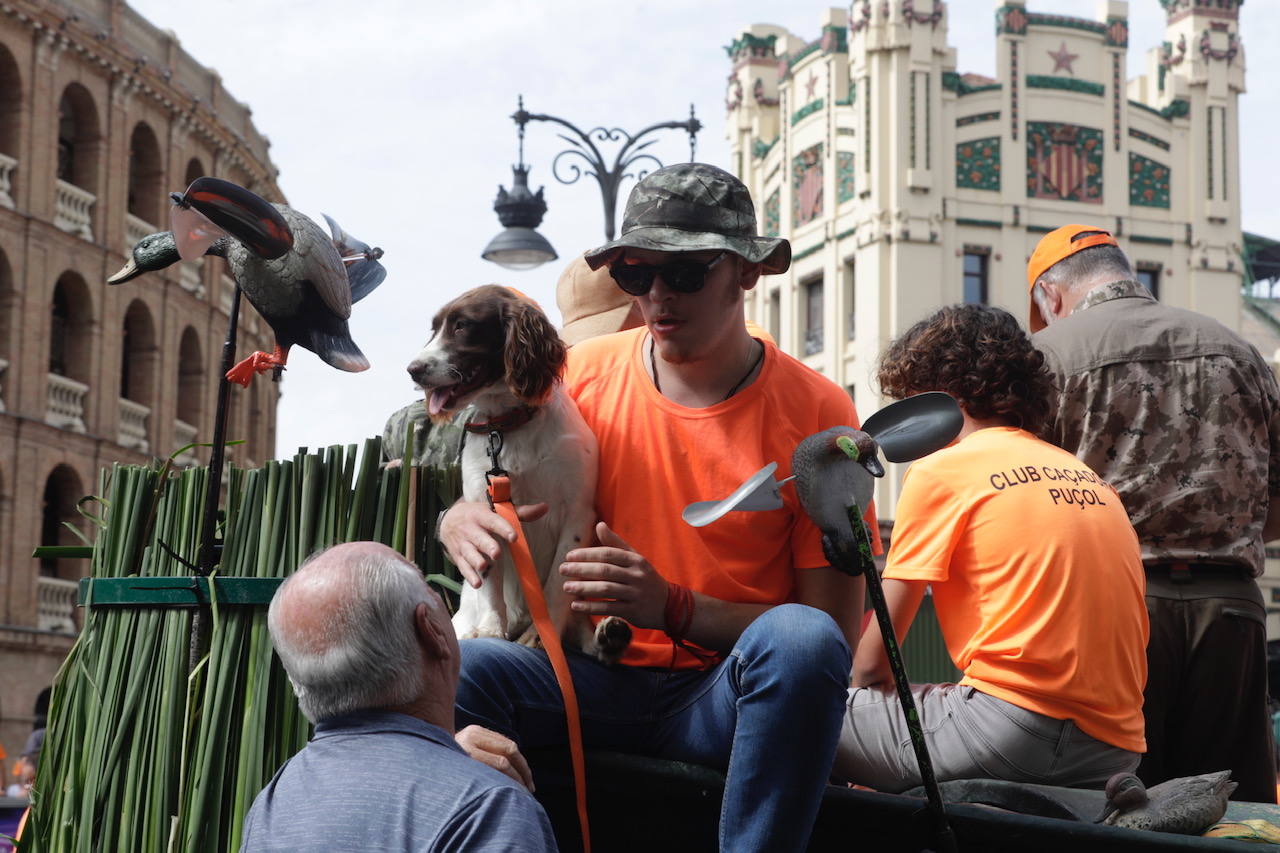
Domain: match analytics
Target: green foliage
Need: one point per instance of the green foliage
(143, 754)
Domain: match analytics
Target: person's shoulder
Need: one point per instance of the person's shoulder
(504, 817)
(599, 356)
(796, 378)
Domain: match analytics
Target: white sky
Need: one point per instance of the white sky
(392, 116)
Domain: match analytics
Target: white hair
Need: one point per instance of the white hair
(1085, 269)
(367, 655)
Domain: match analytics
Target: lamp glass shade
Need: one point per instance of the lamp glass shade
(519, 249)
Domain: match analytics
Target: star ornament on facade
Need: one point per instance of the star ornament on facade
(1062, 59)
(810, 86)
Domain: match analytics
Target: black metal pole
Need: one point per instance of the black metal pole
(942, 829)
(213, 489)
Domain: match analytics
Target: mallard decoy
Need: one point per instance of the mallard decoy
(1188, 805)
(835, 472)
(301, 282)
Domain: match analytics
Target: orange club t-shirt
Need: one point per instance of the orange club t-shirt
(1037, 578)
(656, 457)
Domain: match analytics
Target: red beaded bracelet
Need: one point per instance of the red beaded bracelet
(678, 612)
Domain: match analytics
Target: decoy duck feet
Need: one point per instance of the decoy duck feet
(259, 362)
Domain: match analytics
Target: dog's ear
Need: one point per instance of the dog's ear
(534, 354)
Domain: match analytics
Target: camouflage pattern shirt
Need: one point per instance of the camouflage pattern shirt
(437, 445)
(1178, 413)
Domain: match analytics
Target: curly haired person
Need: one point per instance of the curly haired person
(1035, 575)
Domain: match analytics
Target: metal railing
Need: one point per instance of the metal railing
(7, 166)
(56, 605)
(72, 210)
(133, 425)
(184, 434)
(65, 407)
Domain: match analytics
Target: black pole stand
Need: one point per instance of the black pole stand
(942, 829)
(209, 550)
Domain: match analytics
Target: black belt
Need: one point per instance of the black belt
(1181, 571)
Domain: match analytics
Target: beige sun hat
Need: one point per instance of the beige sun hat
(591, 303)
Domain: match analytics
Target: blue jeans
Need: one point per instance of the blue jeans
(769, 715)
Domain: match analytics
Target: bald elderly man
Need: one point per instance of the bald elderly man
(372, 657)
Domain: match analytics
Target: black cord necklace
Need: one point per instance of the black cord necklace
(653, 367)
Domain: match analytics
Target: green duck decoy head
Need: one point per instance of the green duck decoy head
(153, 252)
(835, 473)
(1187, 805)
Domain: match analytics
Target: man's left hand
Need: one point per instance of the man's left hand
(613, 580)
(497, 751)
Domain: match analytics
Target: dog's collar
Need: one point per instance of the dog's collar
(508, 421)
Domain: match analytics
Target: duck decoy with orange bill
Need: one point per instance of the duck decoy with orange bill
(302, 282)
(1188, 805)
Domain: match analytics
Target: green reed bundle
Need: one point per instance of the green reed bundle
(143, 755)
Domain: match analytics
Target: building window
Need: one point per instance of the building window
(773, 322)
(975, 275)
(852, 391)
(813, 316)
(1149, 275)
(59, 324)
(850, 302)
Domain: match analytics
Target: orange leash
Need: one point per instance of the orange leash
(500, 495)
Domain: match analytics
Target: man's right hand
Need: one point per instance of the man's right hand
(473, 535)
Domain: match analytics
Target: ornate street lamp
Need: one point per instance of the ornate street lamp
(520, 211)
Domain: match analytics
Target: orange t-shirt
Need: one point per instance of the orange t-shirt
(656, 457)
(1037, 578)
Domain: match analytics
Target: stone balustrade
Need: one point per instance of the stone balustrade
(191, 276)
(7, 166)
(72, 210)
(65, 407)
(133, 425)
(134, 230)
(184, 434)
(3, 366)
(228, 291)
(56, 605)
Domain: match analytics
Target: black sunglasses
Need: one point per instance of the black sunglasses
(680, 276)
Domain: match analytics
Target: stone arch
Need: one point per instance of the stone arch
(139, 355)
(10, 122)
(40, 710)
(146, 175)
(62, 492)
(70, 343)
(79, 138)
(8, 313)
(191, 380)
(195, 169)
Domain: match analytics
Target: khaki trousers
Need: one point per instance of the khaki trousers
(970, 736)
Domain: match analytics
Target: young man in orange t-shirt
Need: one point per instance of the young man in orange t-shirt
(1036, 580)
(728, 666)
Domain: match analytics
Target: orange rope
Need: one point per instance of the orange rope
(500, 494)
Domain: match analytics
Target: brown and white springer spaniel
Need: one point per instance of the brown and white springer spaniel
(494, 349)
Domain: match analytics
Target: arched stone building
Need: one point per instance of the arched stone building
(101, 115)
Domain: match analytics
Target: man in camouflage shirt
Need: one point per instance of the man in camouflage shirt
(436, 445)
(1182, 417)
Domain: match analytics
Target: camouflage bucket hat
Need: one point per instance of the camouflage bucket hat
(691, 207)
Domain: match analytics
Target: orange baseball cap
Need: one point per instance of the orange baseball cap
(1057, 245)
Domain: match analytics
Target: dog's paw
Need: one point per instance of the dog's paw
(613, 635)
(489, 627)
(530, 638)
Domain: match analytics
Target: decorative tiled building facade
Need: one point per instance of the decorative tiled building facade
(101, 115)
(905, 185)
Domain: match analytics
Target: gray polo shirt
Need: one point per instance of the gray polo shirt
(378, 781)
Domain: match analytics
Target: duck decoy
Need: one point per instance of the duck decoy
(1188, 805)
(302, 282)
(903, 431)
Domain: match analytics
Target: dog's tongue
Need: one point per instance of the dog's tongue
(436, 402)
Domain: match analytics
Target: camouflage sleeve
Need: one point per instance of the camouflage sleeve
(1054, 430)
(393, 434)
(1271, 411)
